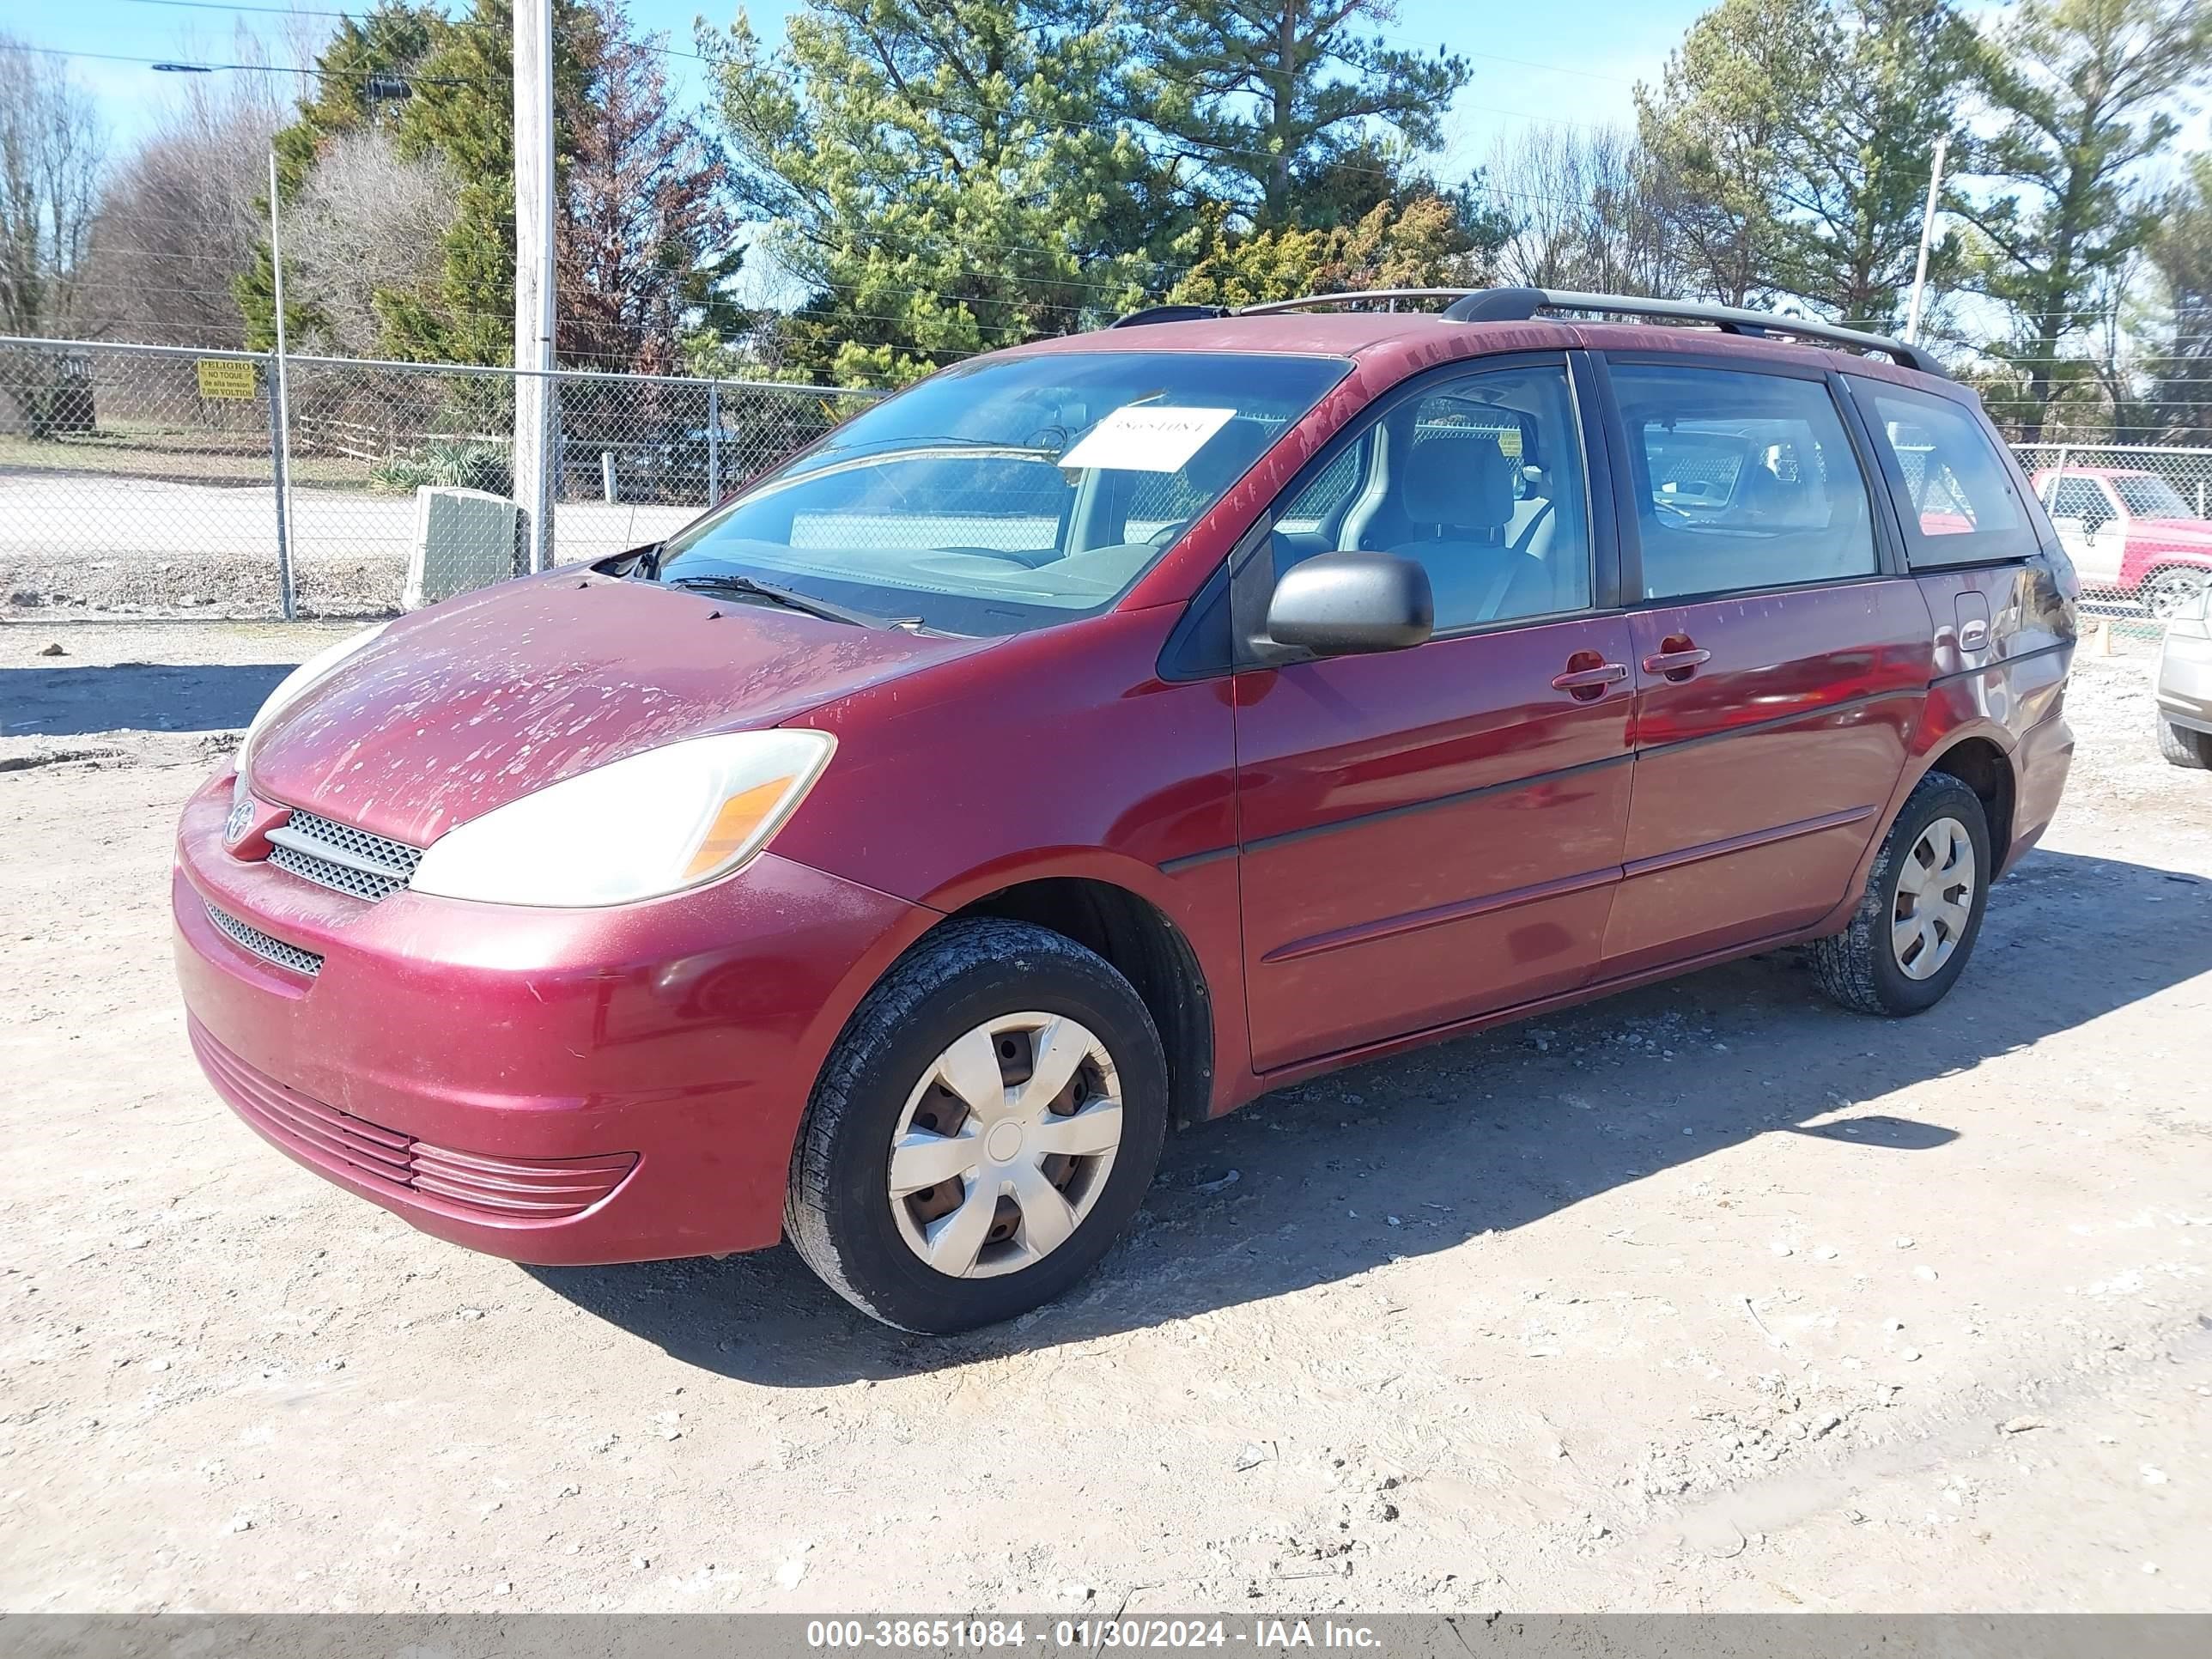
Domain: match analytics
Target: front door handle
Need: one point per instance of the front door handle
(1589, 684)
(1677, 658)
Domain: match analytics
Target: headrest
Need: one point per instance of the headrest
(1462, 483)
(1763, 494)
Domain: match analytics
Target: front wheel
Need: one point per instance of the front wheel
(1916, 925)
(987, 1123)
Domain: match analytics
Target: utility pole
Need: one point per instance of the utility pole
(534, 312)
(1927, 235)
(280, 409)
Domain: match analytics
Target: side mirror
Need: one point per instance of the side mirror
(1337, 604)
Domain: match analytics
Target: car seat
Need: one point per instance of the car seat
(1466, 510)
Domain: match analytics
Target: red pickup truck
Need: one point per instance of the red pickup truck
(2132, 531)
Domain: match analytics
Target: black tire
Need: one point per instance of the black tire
(837, 1209)
(2183, 747)
(1858, 967)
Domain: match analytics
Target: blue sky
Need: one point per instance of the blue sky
(1574, 64)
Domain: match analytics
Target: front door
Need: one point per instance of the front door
(1431, 834)
(1781, 658)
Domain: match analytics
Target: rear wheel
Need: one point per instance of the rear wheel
(2165, 592)
(2183, 747)
(986, 1125)
(1916, 922)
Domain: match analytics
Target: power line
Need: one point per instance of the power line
(250, 68)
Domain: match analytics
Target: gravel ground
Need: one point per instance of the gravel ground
(1708, 1297)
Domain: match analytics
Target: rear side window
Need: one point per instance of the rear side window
(1742, 481)
(1959, 502)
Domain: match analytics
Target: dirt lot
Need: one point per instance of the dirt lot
(1711, 1298)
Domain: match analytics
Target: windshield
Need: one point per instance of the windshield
(2152, 498)
(1010, 493)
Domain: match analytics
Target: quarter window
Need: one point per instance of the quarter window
(1959, 504)
(1743, 481)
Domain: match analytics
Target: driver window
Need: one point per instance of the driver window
(2078, 498)
(1480, 481)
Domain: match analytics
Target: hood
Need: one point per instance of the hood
(486, 699)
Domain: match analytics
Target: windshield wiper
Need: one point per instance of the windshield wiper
(751, 588)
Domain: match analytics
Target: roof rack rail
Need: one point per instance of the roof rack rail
(1305, 302)
(1170, 314)
(1517, 304)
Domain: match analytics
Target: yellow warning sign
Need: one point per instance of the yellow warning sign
(225, 377)
(1508, 442)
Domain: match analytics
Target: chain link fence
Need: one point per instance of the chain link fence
(147, 480)
(2136, 520)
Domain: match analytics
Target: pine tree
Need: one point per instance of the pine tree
(945, 175)
(362, 77)
(2180, 328)
(1716, 127)
(462, 109)
(1262, 99)
(2084, 88)
(1855, 158)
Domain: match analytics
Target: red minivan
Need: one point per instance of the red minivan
(1108, 731)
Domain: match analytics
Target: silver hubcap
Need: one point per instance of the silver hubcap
(2169, 593)
(1934, 898)
(1005, 1144)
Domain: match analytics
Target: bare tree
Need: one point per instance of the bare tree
(51, 154)
(181, 220)
(1585, 208)
(367, 230)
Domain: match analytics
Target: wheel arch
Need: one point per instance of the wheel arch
(1977, 761)
(1144, 944)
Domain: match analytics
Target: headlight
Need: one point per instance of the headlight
(288, 688)
(653, 823)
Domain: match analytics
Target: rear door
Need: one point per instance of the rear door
(1434, 833)
(1782, 657)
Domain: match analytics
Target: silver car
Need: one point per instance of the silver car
(2185, 685)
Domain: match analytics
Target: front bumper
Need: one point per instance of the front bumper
(554, 1087)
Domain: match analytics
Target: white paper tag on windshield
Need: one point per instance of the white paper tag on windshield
(1146, 437)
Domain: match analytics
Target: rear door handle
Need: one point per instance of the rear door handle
(1678, 664)
(1590, 682)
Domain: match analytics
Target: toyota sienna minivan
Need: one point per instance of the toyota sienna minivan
(1105, 732)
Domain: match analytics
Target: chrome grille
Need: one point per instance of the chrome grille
(250, 938)
(340, 857)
